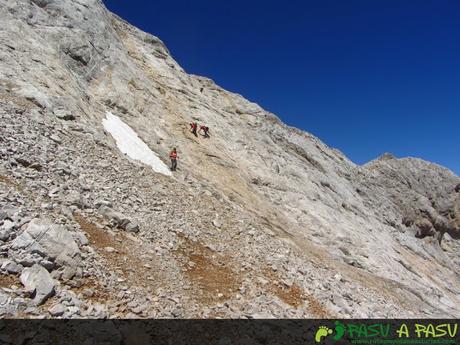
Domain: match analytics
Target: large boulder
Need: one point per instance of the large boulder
(38, 283)
(51, 241)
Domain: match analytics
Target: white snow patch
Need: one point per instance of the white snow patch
(129, 143)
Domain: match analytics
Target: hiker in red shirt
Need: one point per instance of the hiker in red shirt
(173, 156)
(205, 130)
(193, 128)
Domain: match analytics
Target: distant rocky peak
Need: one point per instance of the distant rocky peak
(386, 157)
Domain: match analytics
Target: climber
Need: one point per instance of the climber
(205, 130)
(173, 156)
(193, 128)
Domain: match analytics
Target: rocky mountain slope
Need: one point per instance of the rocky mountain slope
(259, 220)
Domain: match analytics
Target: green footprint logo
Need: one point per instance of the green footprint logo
(322, 332)
(339, 330)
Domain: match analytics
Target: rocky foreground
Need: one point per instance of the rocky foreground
(261, 220)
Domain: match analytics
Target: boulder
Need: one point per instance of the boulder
(11, 267)
(56, 138)
(8, 212)
(32, 94)
(118, 219)
(57, 310)
(64, 114)
(101, 202)
(132, 227)
(51, 241)
(217, 223)
(38, 283)
(7, 229)
(457, 188)
(4, 235)
(73, 198)
(8, 226)
(112, 216)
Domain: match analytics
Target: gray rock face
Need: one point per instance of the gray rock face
(422, 193)
(38, 282)
(49, 240)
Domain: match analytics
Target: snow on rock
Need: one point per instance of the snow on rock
(129, 143)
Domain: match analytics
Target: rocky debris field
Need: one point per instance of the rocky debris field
(78, 243)
(260, 220)
(89, 233)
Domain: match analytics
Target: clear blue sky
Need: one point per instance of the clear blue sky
(366, 76)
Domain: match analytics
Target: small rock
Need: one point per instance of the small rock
(69, 272)
(100, 203)
(57, 310)
(73, 311)
(140, 309)
(8, 226)
(262, 315)
(12, 267)
(176, 312)
(262, 281)
(38, 283)
(64, 114)
(132, 227)
(3, 215)
(29, 260)
(56, 139)
(49, 265)
(87, 292)
(217, 223)
(4, 235)
(287, 282)
(81, 238)
(133, 304)
(24, 162)
(457, 188)
(117, 219)
(73, 198)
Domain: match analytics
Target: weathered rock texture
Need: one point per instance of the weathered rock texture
(259, 220)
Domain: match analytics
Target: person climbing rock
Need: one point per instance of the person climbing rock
(205, 130)
(193, 128)
(173, 156)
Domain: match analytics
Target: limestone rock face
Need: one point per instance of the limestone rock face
(423, 193)
(259, 219)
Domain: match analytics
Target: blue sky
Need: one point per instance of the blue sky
(367, 77)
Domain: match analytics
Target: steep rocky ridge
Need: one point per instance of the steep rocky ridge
(260, 220)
